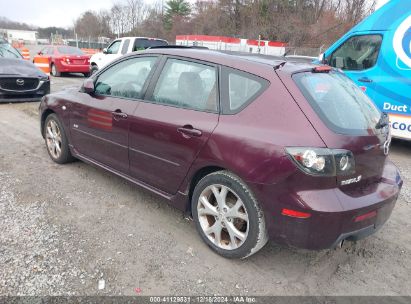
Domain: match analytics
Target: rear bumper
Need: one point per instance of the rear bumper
(25, 96)
(330, 222)
(73, 68)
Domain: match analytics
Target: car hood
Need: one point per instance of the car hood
(10, 66)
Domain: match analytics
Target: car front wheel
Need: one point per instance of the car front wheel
(227, 215)
(94, 69)
(56, 140)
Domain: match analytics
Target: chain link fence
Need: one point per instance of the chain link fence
(305, 51)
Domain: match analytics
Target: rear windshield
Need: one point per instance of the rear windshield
(68, 50)
(340, 103)
(7, 51)
(144, 43)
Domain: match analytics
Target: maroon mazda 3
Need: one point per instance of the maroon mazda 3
(253, 147)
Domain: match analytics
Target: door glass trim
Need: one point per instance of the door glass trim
(226, 109)
(146, 83)
(148, 98)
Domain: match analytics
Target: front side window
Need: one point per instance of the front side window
(114, 47)
(357, 53)
(188, 85)
(125, 79)
(339, 102)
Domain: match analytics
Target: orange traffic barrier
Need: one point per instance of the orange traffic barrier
(90, 51)
(17, 44)
(42, 64)
(26, 53)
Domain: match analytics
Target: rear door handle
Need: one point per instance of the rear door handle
(117, 114)
(365, 79)
(189, 131)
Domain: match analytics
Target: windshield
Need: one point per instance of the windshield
(7, 51)
(339, 102)
(69, 50)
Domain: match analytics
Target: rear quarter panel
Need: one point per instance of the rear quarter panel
(251, 143)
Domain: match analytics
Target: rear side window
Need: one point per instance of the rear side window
(144, 43)
(342, 106)
(68, 50)
(240, 89)
(357, 53)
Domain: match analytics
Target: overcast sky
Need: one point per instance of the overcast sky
(45, 13)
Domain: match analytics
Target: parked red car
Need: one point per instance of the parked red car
(252, 146)
(66, 59)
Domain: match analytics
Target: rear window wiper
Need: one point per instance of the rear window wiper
(383, 122)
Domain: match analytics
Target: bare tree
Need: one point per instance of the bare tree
(137, 12)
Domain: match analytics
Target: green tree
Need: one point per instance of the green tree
(175, 12)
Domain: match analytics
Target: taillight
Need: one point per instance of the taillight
(65, 59)
(365, 216)
(323, 161)
(322, 69)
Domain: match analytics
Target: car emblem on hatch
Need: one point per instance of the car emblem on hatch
(20, 82)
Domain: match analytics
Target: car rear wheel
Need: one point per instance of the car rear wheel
(56, 140)
(54, 71)
(227, 215)
(86, 75)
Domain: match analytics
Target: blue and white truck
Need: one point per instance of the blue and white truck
(376, 54)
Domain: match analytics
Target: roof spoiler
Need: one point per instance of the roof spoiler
(178, 47)
(280, 65)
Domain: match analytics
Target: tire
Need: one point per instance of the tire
(86, 75)
(60, 141)
(54, 71)
(94, 69)
(245, 221)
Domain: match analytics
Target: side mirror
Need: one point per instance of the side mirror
(321, 58)
(88, 86)
(105, 51)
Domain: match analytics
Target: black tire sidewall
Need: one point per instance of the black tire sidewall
(65, 155)
(57, 73)
(230, 181)
(93, 70)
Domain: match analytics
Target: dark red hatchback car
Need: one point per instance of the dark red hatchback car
(251, 146)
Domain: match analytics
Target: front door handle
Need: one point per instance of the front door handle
(117, 114)
(365, 79)
(189, 131)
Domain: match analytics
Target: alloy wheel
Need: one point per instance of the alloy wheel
(223, 217)
(53, 138)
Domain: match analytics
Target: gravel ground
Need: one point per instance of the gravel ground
(78, 230)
